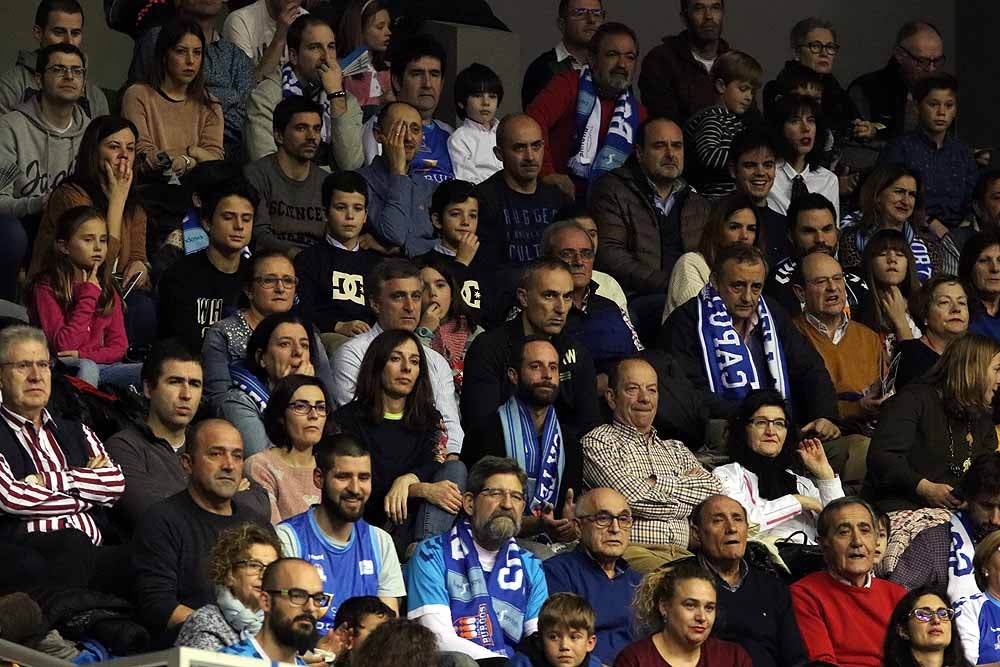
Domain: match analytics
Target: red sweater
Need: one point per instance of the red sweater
(555, 110)
(100, 338)
(844, 625)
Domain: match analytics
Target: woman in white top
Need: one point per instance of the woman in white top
(733, 220)
(764, 475)
(793, 122)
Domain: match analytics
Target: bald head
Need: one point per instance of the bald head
(821, 287)
(601, 498)
(520, 147)
(211, 431)
(515, 124)
(292, 573)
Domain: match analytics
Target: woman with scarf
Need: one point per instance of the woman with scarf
(280, 346)
(891, 198)
(235, 566)
(767, 475)
(941, 310)
(889, 269)
(979, 269)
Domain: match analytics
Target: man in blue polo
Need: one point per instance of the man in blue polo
(352, 557)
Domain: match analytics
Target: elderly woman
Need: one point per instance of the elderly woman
(941, 310)
(921, 633)
(766, 473)
(983, 609)
(235, 567)
(979, 269)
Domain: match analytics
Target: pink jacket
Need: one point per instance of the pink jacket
(100, 338)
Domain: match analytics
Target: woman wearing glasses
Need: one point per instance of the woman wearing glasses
(235, 566)
(270, 290)
(294, 420)
(783, 486)
(982, 611)
(924, 631)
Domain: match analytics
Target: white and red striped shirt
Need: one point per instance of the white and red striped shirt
(69, 493)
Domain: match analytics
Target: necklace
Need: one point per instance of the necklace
(959, 470)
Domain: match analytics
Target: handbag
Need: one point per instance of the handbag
(800, 557)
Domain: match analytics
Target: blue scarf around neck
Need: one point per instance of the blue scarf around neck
(591, 159)
(254, 387)
(542, 459)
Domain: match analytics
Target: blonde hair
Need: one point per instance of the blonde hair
(984, 552)
(567, 611)
(659, 586)
(961, 375)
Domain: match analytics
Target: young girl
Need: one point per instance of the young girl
(794, 124)
(890, 271)
(74, 301)
(478, 93)
(366, 24)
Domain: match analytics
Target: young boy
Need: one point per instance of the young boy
(356, 619)
(332, 274)
(947, 167)
(478, 93)
(565, 638)
(736, 77)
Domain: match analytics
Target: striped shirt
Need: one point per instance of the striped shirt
(69, 493)
(661, 479)
(710, 132)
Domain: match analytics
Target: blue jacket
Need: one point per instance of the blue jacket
(399, 208)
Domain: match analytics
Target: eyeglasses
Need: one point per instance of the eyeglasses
(925, 614)
(604, 519)
(299, 597)
(924, 63)
(903, 192)
(251, 565)
(817, 48)
(761, 424)
(500, 494)
(62, 71)
(582, 14)
(569, 255)
(270, 282)
(305, 407)
(25, 367)
(827, 280)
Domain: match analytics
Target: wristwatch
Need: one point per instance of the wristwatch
(336, 95)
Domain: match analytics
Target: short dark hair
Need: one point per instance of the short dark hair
(608, 29)
(46, 7)
(273, 417)
(936, 81)
(824, 522)
(44, 55)
(352, 610)
(162, 351)
(343, 181)
(474, 79)
(193, 432)
(741, 253)
(261, 336)
(640, 132)
(338, 444)
(517, 350)
(796, 75)
(235, 187)
(750, 140)
(299, 27)
(812, 201)
(576, 209)
(487, 467)
(911, 28)
(452, 192)
(986, 179)
(982, 478)
(416, 47)
(399, 642)
(537, 266)
(386, 270)
(290, 106)
(684, 5)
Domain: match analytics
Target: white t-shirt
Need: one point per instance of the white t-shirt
(704, 61)
(252, 29)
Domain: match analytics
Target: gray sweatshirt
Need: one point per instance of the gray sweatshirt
(34, 158)
(18, 85)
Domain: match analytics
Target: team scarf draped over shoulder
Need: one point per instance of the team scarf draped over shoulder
(921, 253)
(592, 159)
(254, 387)
(729, 365)
(487, 609)
(542, 459)
(961, 574)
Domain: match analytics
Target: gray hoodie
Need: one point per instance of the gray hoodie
(34, 158)
(18, 84)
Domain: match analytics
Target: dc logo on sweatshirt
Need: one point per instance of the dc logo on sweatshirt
(348, 287)
(471, 294)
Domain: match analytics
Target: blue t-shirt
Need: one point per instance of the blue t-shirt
(978, 618)
(426, 586)
(432, 160)
(249, 648)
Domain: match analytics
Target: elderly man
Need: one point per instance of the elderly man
(843, 611)
(661, 479)
(597, 104)
(594, 321)
(474, 587)
(674, 80)
(885, 96)
(730, 340)
(755, 608)
(596, 571)
(578, 21)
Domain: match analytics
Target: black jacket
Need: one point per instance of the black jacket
(537, 76)
(880, 97)
(812, 393)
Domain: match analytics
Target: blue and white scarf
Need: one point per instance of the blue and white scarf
(486, 609)
(592, 159)
(243, 378)
(961, 573)
(542, 459)
(290, 85)
(921, 253)
(728, 363)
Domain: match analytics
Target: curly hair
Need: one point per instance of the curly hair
(233, 545)
(658, 586)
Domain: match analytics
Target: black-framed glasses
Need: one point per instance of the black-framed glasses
(26, 366)
(605, 519)
(816, 48)
(270, 282)
(925, 614)
(251, 565)
(924, 63)
(761, 424)
(62, 71)
(299, 597)
(500, 494)
(582, 13)
(569, 255)
(305, 407)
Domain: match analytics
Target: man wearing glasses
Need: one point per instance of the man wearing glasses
(578, 21)
(474, 587)
(596, 571)
(292, 600)
(884, 96)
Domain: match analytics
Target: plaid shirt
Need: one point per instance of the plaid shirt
(661, 479)
(925, 561)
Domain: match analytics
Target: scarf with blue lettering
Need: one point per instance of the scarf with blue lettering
(542, 459)
(728, 363)
(487, 609)
(591, 159)
(290, 85)
(961, 573)
(921, 254)
(254, 387)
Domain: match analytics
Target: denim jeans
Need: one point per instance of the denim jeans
(120, 374)
(432, 520)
